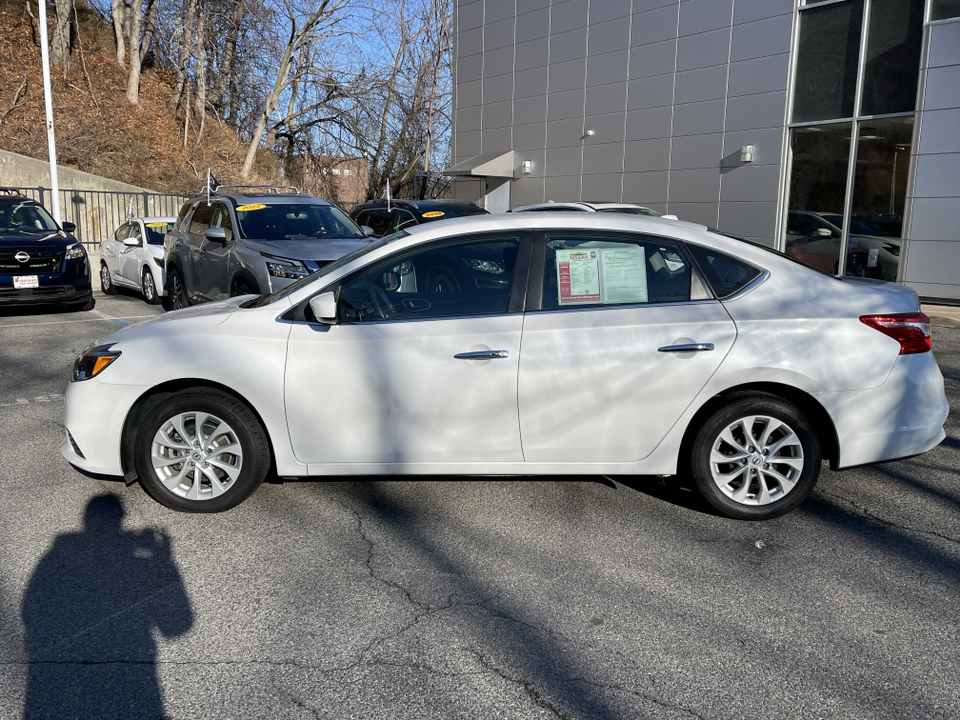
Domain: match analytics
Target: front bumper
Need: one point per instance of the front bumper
(94, 414)
(72, 286)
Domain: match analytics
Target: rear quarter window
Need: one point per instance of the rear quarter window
(726, 275)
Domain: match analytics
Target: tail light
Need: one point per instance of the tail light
(911, 330)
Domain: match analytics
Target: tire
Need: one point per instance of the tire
(730, 458)
(440, 279)
(240, 287)
(176, 296)
(89, 304)
(149, 288)
(106, 284)
(217, 469)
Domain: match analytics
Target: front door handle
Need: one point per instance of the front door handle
(686, 347)
(482, 355)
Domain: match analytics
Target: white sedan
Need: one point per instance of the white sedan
(554, 345)
(133, 258)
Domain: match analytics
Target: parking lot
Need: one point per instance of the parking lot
(583, 598)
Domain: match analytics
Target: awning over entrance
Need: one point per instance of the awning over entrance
(484, 165)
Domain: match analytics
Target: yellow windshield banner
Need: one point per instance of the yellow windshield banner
(254, 206)
(433, 214)
(158, 224)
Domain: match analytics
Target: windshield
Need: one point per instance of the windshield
(327, 269)
(156, 230)
(26, 218)
(284, 221)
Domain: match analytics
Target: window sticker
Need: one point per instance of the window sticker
(433, 214)
(157, 224)
(578, 276)
(253, 206)
(623, 275)
(602, 275)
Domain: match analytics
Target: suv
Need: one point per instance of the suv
(39, 261)
(384, 220)
(254, 240)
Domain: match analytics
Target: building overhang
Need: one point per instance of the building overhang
(494, 164)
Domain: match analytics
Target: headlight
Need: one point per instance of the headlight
(158, 262)
(75, 252)
(487, 266)
(287, 270)
(93, 361)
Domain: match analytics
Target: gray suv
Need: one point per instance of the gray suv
(252, 240)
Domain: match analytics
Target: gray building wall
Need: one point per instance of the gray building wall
(931, 264)
(671, 90)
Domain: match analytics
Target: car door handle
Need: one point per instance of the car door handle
(686, 347)
(482, 355)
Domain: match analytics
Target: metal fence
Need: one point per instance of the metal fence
(98, 213)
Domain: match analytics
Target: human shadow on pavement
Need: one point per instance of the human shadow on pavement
(90, 612)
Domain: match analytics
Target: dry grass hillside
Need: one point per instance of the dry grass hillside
(97, 130)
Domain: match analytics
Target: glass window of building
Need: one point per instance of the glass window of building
(944, 9)
(891, 71)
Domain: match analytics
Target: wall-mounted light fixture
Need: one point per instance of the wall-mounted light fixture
(526, 167)
(747, 152)
(588, 133)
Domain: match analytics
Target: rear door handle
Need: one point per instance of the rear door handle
(482, 355)
(687, 347)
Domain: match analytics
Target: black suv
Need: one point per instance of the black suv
(39, 261)
(383, 220)
(252, 239)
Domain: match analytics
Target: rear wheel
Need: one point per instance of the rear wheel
(756, 457)
(149, 288)
(106, 284)
(241, 287)
(201, 451)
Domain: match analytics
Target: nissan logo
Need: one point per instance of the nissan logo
(21, 257)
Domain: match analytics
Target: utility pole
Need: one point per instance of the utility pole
(48, 103)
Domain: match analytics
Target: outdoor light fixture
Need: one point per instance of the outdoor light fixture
(526, 167)
(588, 133)
(747, 152)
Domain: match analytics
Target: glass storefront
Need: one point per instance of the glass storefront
(854, 99)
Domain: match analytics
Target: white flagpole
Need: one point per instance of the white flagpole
(388, 194)
(48, 102)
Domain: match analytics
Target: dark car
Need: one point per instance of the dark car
(40, 263)
(252, 239)
(384, 219)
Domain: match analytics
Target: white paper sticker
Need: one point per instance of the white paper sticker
(623, 275)
(26, 281)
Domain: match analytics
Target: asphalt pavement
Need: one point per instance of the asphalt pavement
(497, 598)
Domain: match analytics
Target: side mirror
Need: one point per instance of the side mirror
(324, 307)
(132, 242)
(367, 230)
(69, 227)
(217, 234)
(823, 232)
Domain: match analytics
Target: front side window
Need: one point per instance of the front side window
(201, 219)
(456, 279)
(607, 270)
(221, 219)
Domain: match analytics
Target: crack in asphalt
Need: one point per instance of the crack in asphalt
(865, 512)
(528, 689)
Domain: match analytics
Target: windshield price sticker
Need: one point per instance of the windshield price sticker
(157, 224)
(26, 281)
(433, 214)
(607, 275)
(252, 206)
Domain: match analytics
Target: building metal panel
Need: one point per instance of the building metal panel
(765, 110)
(649, 124)
(530, 110)
(654, 59)
(646, 155)
(697, 16)
(703, 50)
(566, 105)
(698, 118)
(650, 92)
(745, 11)
(610, 36)
(646, 188)
(607, 68)
(603, 99)
(532, 54)
(695, 186)
(571, 45)
(767, 74)
(699, 85)
(654, 25)
(697, 151)
(568, 15)
(750, 182)
(761, 38)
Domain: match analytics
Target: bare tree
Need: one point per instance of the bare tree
(61, 45)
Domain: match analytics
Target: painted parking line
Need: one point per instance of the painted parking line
(112, 319)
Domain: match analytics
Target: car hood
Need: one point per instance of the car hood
(307, 248)
(40, 239)
(200, 318)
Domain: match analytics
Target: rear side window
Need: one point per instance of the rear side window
(725, 274)
(598, 270)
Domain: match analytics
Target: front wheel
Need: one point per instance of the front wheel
(149, 288)
(756, 457)
(176, 297)
(201, 451)
(106, 283)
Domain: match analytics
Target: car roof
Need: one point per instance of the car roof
(156, 218)
(419, 204)
(263, 196)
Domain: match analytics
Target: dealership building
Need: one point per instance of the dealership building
(829, 129)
